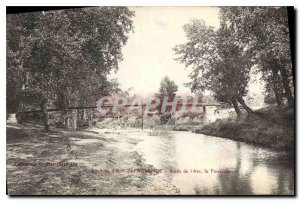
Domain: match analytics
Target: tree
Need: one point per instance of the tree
(66, 55)
(219, 63)
(168, 87)
(270, 74)
(265, 33)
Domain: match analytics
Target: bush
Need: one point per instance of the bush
(164, 118)
(151, 122)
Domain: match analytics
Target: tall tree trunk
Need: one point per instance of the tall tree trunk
(74, 119)
(90, 117)
(45, 115)
(245, 106)
(286, 85)
(275, 82)
(82, 115)
(236, 107)
(64, 104)
(66, 119)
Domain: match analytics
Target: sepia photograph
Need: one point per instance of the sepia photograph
(145, 100)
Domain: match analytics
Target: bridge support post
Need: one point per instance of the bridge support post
(142, 120)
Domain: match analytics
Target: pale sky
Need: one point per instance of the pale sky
(148, 54)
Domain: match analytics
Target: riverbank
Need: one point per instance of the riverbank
(82, 162)
(271, 127)
(130, 161)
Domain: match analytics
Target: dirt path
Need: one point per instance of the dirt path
(77, 163)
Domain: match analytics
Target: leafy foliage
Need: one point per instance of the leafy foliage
(65, 55)
(219, 64)
(221, 59)
(167, 87)
(265, 33)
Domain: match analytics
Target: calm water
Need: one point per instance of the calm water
(250, 170)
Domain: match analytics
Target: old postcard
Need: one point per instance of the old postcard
(150, 101)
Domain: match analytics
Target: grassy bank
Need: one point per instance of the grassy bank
(271, 127)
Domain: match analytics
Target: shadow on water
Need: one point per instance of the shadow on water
(235, 183)
(167, 161)
(268, 176)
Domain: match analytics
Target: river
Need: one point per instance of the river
(200, 164)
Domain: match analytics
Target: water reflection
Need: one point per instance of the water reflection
(168, 147)
(250, 170)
